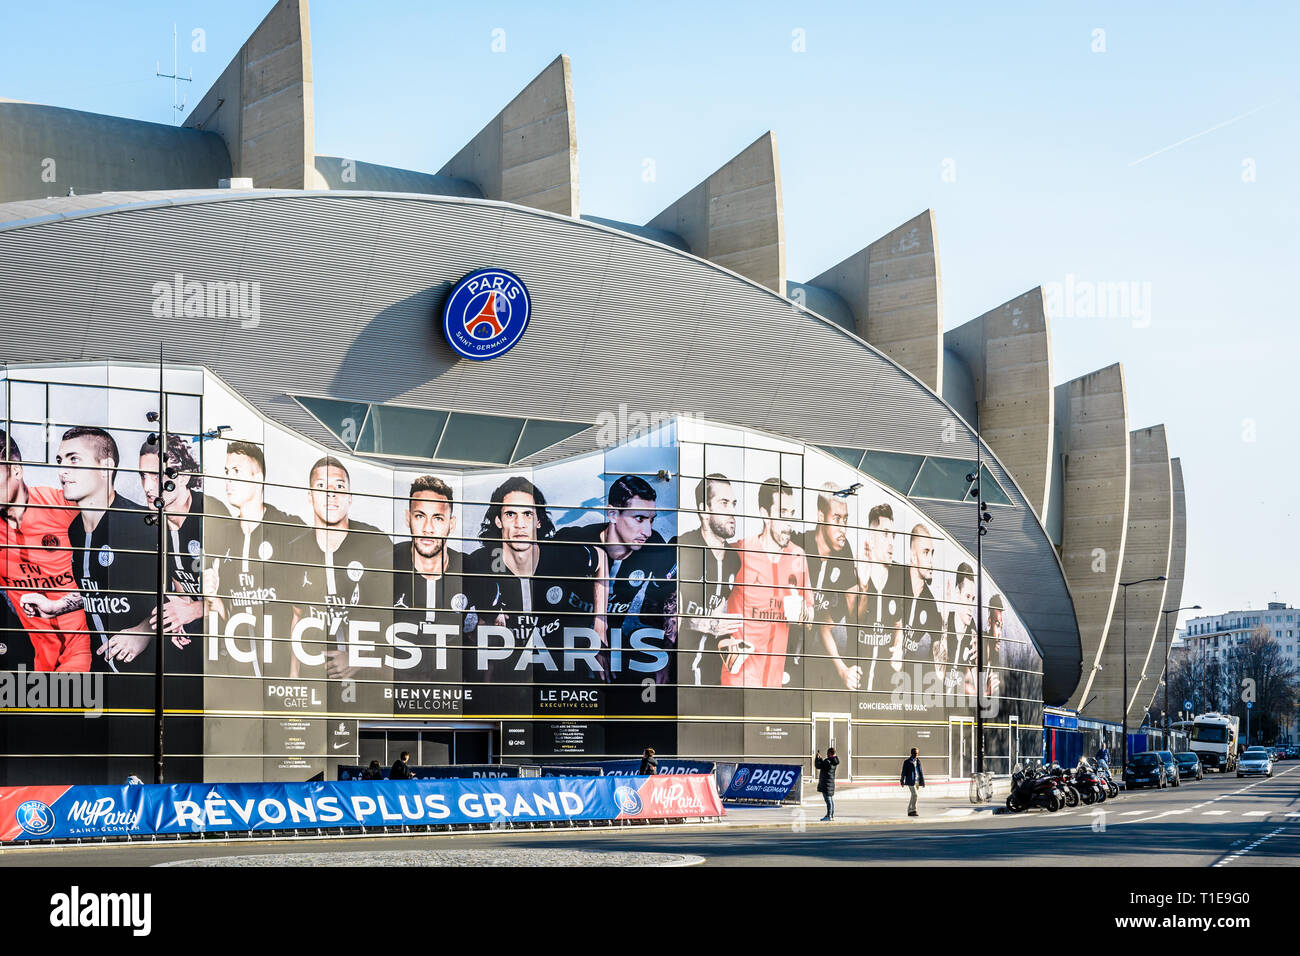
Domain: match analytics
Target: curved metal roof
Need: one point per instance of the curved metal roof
(350, 283)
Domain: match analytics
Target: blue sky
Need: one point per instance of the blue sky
(1046, 135)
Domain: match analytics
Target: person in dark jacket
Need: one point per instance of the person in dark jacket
(912, 777)
(400, 770)
(373, 772)
(649, 763)
(825, 767)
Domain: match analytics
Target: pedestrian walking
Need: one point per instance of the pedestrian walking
(825, 767)
(649, 763)
(912, 777)
(400, 770)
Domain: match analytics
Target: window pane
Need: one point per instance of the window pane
(850, 456)
(480, 438)
(897, 471)
(943, 478)
(409, 432)
(539, 434)
(343, 418)
(992, 491)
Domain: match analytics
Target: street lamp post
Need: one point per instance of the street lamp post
(1172, 610)
(1124, 700)
(983, 518)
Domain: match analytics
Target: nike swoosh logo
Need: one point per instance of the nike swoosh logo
(338, 746)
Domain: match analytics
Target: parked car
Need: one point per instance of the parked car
(1145, 770)
(1256, 760)
(1189, 766)
(1171, 766)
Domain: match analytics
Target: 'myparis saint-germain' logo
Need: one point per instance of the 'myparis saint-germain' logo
(486, 314)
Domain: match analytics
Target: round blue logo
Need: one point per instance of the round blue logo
(738, 781)
(486, 314)
(35, 817)
(628, 800)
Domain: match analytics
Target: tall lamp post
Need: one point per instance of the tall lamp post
(983, 518)
(1124, 701)
(1167, 612)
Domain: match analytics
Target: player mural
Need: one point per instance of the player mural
(313, 591)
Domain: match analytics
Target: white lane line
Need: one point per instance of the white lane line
(1215, 813)
(1255, 813)
(1244, 850)
(1134, 813)
(1293, 814)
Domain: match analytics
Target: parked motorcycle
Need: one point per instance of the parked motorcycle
(1033, 787)
(1092, 788)
(1065, 783)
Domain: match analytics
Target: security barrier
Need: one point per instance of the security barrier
(70, 813)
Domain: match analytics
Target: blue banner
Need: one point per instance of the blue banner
(630, 768)
(459, 772)
(55, 813)
(763, 781)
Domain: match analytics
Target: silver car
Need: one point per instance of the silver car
(1255, 760)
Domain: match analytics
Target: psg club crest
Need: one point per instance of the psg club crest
(486, 314)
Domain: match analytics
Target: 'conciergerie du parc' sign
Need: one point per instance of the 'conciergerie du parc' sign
(486, 314)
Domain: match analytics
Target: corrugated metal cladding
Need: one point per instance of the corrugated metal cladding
(351, 291)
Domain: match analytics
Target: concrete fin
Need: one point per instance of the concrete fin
(1009, 353)
(1094, 459)
(893, 288)
(261, 105)
(735, 217)
(528, 153)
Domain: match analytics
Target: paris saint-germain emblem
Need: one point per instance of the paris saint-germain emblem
(486, 314)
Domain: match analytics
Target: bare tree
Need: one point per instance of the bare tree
(1258, 672)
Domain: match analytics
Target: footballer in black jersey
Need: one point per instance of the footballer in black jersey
(429, 589)
(832, 575)
(247, 574)
(114, 553)
(642, 576)
(186, 506)
(707, 569)
(339, 584)
(537, 613)
(879, 601)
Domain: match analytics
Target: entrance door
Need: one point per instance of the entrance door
(429, 745)
(832, 730)
(961, 748)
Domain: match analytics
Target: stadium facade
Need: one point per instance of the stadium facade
(461, 471)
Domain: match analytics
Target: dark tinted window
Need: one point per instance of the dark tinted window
(1144, 760)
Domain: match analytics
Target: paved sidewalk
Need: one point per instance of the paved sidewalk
(860, 810)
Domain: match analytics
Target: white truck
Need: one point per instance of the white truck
(1214, 741)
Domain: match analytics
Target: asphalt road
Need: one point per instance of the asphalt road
(1218, 822)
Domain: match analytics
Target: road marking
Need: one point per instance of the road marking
(1215, 813)
(1244, 850)
(1255, 813)
(1293, 814)
(1134, 813)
